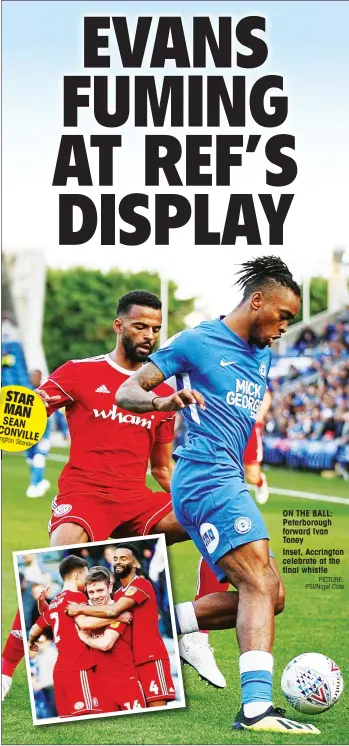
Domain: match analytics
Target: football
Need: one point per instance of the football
(312, 683)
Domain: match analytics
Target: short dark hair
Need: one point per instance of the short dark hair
(98, 574)
(71, 563)
(265, 272)
(131, 547)
(137, 298)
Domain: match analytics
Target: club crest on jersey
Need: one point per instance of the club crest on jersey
(95, 702)
(60, 510)
(131, 591)
(115, 625)
(210, 536)
(79, 706)
(263, 370)
(243, 525)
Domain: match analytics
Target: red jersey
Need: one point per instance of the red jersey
(73, 654)
(110, 447)
(147, 643)
(119, 659)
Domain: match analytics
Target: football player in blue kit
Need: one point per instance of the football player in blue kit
(221, 368)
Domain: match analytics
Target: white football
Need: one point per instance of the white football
(312, 683)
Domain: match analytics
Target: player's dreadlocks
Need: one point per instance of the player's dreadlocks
(265, 272)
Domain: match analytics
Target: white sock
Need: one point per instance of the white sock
(253, 709)
(256, 660)
(200, 637)
(186, 617)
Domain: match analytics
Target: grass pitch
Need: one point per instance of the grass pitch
(314, 620)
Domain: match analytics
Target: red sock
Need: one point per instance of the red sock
(207, 582)
(13, 651)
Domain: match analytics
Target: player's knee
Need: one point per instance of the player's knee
(169, 526)
(281, 599)
(68, 533)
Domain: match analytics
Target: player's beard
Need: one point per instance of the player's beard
(125, 570)
(131, 350)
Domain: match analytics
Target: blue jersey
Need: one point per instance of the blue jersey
(231, 375)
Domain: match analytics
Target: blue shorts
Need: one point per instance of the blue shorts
(214, 506)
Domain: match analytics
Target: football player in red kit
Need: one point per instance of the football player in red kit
(253, 456)
(118, 684)
(102, 488)
(74, 681)
(149, 651)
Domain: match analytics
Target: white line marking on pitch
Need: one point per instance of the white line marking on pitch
(307, 495)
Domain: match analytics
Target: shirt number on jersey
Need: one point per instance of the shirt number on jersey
(55, 617)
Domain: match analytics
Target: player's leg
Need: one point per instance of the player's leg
(157, 682)
(155, 515)
(253, 459)
(38, 484)
(194, 648)
(12, 655)
(80, 517)
(68, 533)
(75, 693)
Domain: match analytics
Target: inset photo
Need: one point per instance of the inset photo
(100, 631)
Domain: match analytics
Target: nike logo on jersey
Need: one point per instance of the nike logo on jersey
(102, 390)
(223, 363)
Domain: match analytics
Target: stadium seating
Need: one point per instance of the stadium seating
(308, 424)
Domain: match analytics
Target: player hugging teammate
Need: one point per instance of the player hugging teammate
(108, 658)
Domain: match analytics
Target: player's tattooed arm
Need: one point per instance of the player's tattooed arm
(136, 393)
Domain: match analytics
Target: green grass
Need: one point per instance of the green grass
(313, 620)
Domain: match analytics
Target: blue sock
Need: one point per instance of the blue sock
(256, 686)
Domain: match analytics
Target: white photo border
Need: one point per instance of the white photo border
(57, 720)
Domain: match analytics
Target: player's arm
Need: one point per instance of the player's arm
(35, 632)
(108, 611)
(59, 389)
(90, 622)
(136, 393)
(42, 603)
(161, 464)
(105, 642)
(264, 407)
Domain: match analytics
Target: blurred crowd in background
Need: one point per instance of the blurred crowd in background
(39, 572)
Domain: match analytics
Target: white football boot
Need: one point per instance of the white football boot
(6, 682)
(195, 650)
(262, 493)
(38, 490)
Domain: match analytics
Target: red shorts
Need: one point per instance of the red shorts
(156, 680)
(254, 449)
(126, 513)
(118, 692)
(76, 693)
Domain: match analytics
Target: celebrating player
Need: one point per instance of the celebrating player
(253, 456)
(103, 485)
(74, 681)
(149, 651)
(117, 679)
(224, 365)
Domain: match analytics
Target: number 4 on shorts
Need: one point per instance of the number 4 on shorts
(154, 687)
